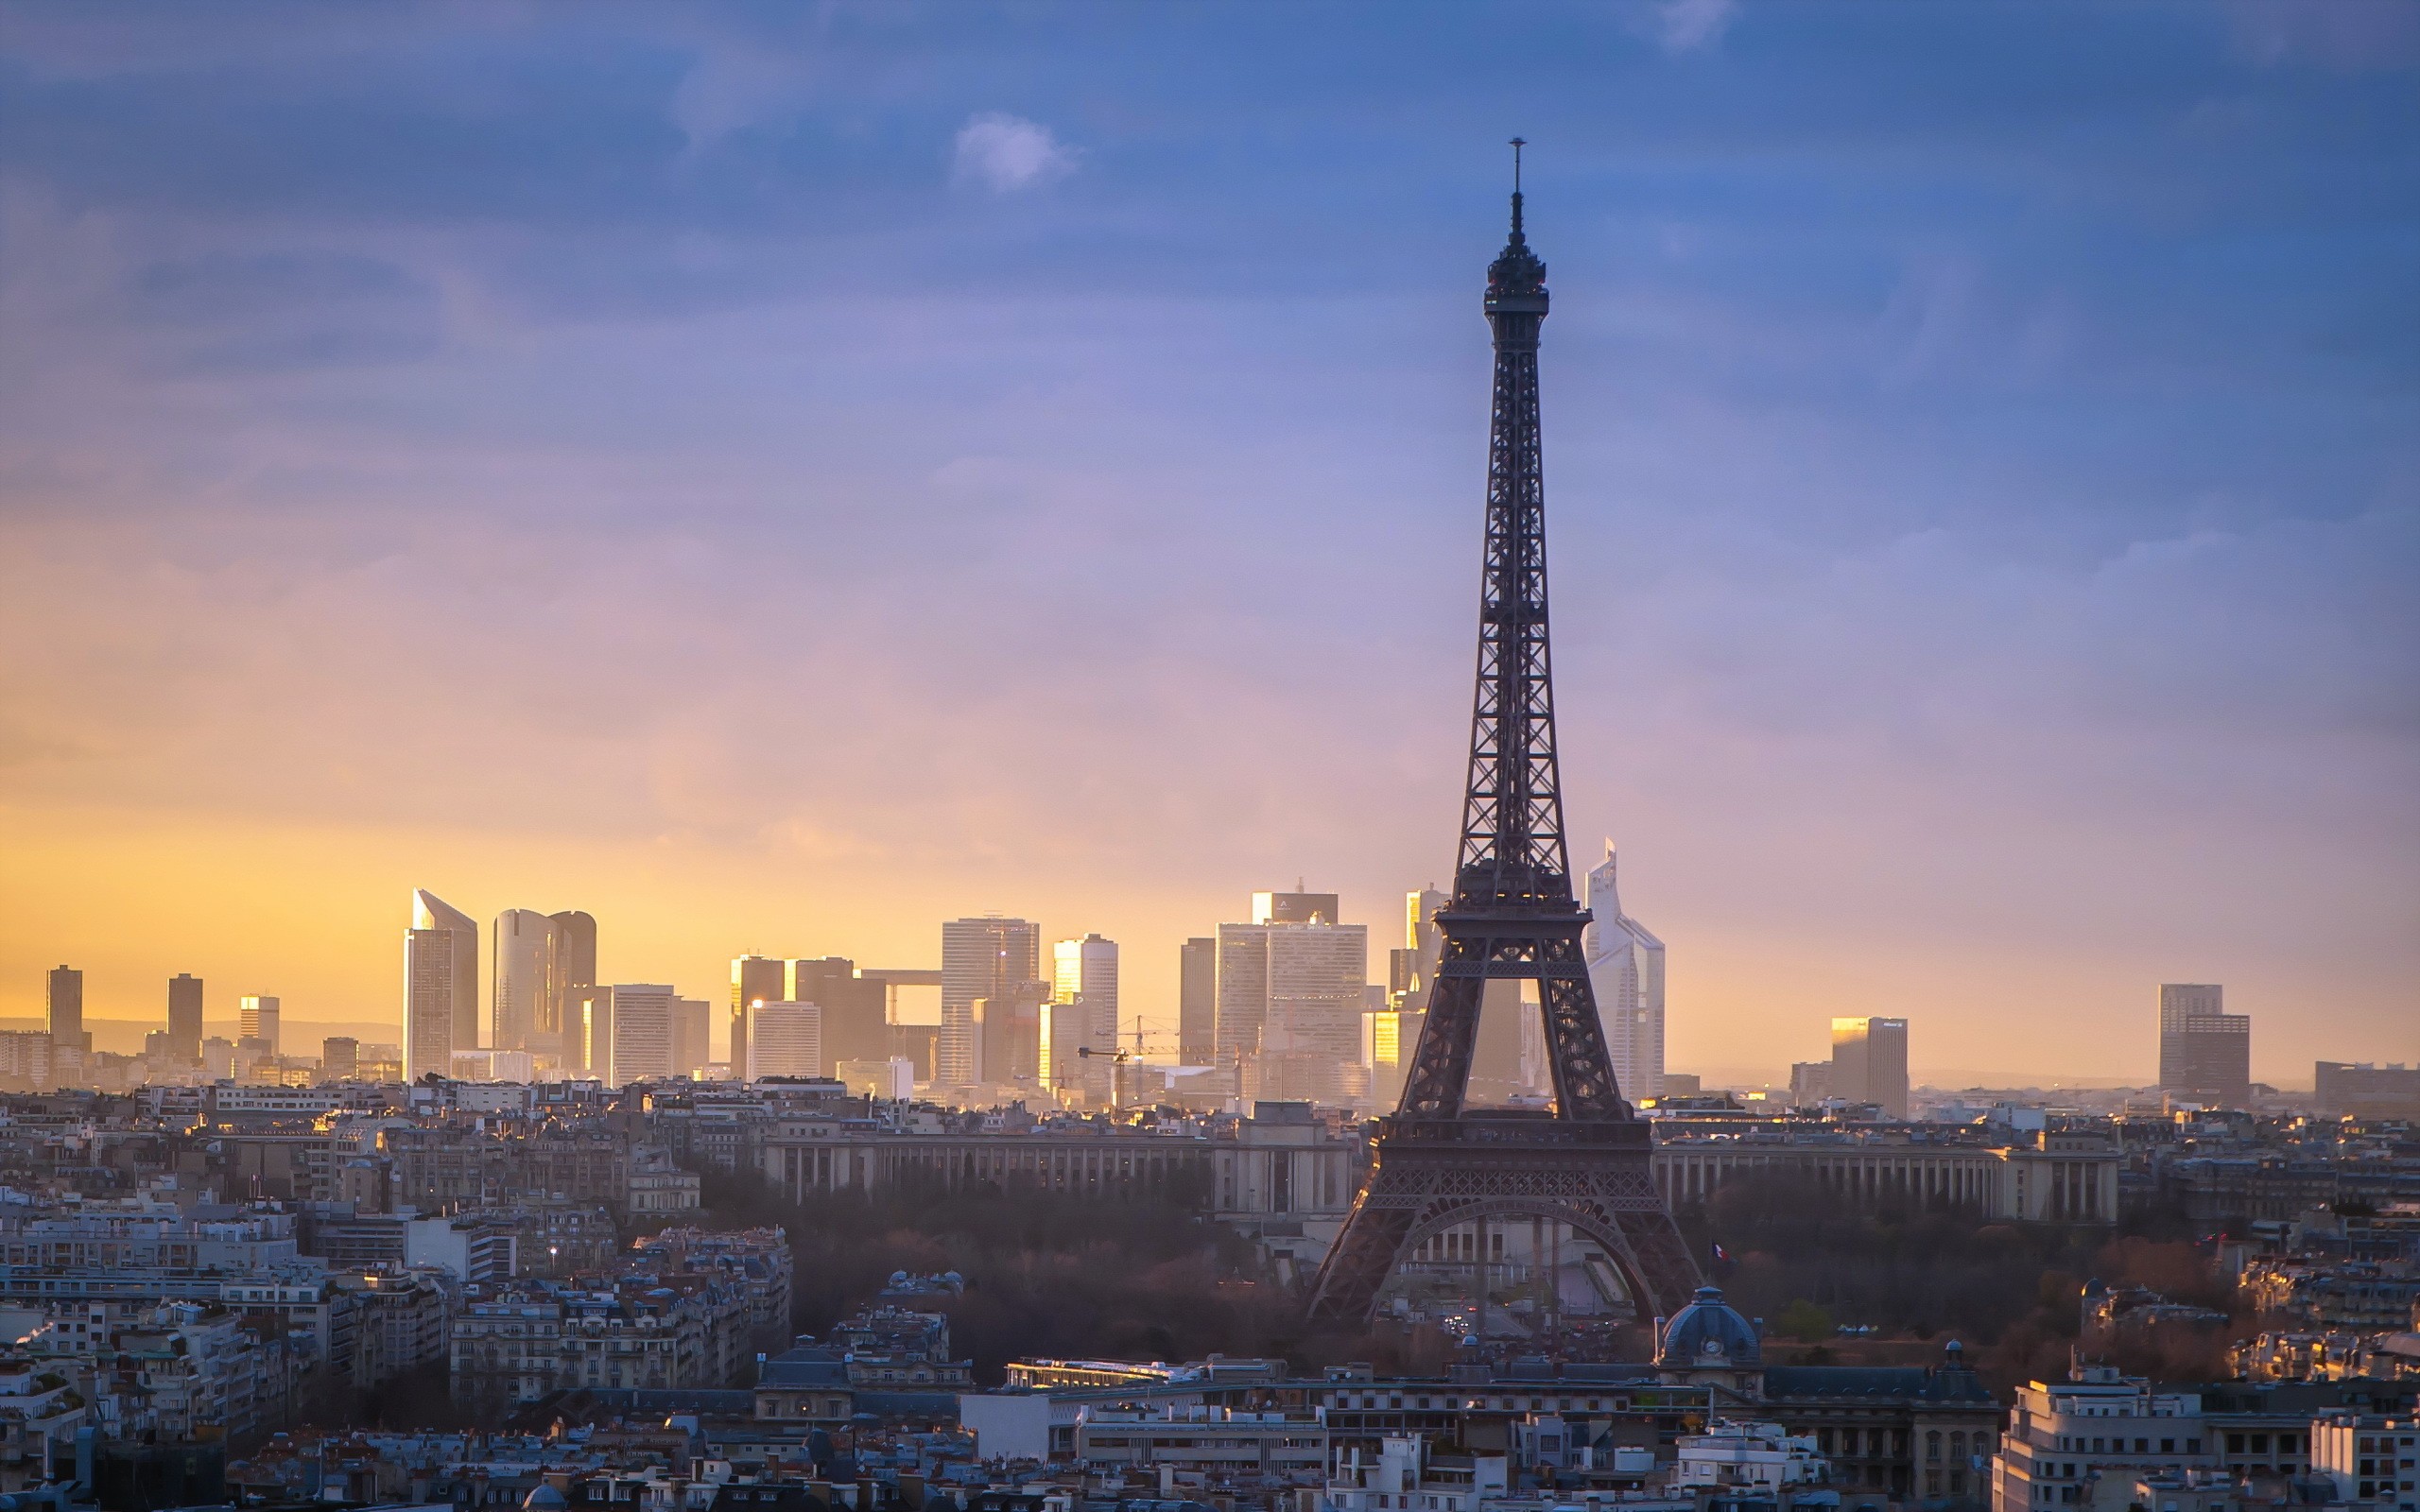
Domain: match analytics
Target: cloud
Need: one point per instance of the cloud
(1006, 153)
(1686, 26)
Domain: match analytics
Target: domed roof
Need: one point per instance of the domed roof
(1708, 1334)
(543, 1498)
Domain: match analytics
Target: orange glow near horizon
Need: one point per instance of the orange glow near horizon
(317, 914)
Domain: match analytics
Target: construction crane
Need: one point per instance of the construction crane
(1120, 1058)
(1117, 1062)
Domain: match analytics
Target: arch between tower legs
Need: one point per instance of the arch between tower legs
(1413, 1195)
(1584, 1218)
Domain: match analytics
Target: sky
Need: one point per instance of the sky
(777, 477)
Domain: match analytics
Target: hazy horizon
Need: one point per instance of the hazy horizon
(777, 479)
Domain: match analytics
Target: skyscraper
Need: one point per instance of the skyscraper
(1870, 1063)
(785, 1039)
(256, 1018)
(1007, 1033)
(980, 958)
(184, 1017)
(576, 945)
(857, 1010)
(1412, 969)
(753, 979)
(339, 1056)
(1290, 995)
(574, 968)
(1084, 972)
(2205, 1052)
(1626, 969)
(1388, 1039)
(527, 1008)
(1197, 1035)
(1059, 1036)
(692, 1034)
(64, 998)
(641, 1043)
(441, 986)
(587, 1030)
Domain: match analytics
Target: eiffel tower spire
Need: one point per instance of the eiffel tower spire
(1513, 851)
(1436, 1164)
(1513, 912)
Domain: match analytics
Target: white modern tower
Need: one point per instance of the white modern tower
(441, 986)
(783, 1040)
(642, 1036)
(1626, 969)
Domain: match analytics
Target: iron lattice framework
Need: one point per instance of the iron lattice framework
(1512, 915)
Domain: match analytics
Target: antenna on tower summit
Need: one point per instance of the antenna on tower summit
(1517, 144)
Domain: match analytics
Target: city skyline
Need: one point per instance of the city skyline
(1935, 583)
(2173, 1008)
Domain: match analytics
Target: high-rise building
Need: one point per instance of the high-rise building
(1626, 969)
(1389, 1038)
(1008, 1035)
(753, 979)
(856, 1009)
(1242, 993)
(64, 999)
(1197, 1011)
(2362, 1090)
(2205, 1052)
(256, 1019)
(441, 986)
(339, 1056)
(1810, 1082)
(527, 1012)
(785, 1039)
(1059, 1041)
(1290, 994)
(184, 1017)
(1294, 907)
(692, 1035)
(1870, 1063)
(1422, 943)
(575, 967)
(980, 958)
(1083, 974)
(587, 1030)
(641, 1043)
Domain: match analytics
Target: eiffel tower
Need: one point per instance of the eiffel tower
(1437, 1164)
